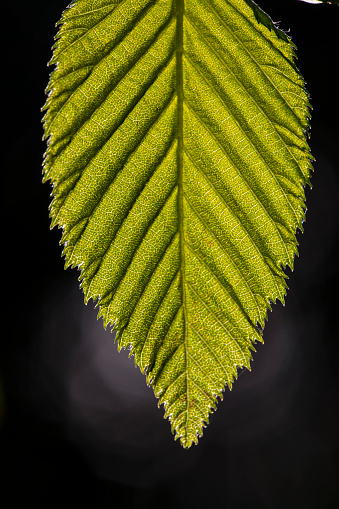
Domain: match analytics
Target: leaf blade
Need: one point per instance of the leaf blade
(178, 156)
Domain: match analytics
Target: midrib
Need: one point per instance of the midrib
(180, 94)
(180, 114)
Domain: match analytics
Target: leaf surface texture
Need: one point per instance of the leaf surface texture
(178, 157)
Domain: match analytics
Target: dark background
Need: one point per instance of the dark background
(78, 424)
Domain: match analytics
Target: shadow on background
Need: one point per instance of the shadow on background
(79, 424)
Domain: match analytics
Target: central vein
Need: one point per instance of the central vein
(180, 116)
(180, 95)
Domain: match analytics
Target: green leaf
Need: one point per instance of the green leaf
(178, 158)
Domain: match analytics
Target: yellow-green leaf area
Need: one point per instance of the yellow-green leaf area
(178, 156)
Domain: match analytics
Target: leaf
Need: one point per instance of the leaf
(321, 1)
(178, 159)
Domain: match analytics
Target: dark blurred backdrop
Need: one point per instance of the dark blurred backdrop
(79, 426)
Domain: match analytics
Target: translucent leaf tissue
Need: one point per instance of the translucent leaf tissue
(177, 150)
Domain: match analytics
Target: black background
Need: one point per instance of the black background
(78, 424)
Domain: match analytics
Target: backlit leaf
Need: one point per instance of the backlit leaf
(178, 157)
